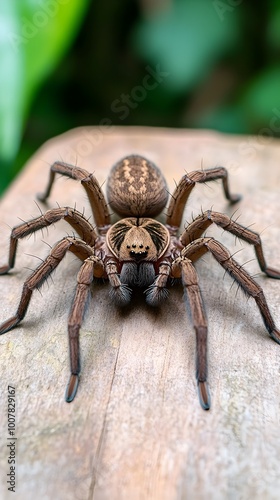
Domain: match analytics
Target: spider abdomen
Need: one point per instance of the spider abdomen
(136, 187)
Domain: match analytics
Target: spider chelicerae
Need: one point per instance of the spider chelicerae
(139, 252)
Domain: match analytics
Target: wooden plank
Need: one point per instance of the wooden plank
(136, 429)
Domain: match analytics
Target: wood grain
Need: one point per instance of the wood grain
(136, 429)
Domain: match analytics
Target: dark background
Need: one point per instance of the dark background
(219, 60)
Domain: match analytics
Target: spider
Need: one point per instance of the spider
(138, 251)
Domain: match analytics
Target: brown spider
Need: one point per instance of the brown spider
(138, 251)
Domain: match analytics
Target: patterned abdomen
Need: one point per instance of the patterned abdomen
(136, 188)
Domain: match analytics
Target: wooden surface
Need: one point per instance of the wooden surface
(136, 429)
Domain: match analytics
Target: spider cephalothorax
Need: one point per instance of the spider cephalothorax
(138, 245)
(138, 252)
(138, 239)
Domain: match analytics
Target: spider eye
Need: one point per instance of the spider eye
(147, 247)
(127, 246)
(133, 246)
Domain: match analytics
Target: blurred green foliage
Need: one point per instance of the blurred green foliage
(176, 63)
(186, 41)
(34, 36)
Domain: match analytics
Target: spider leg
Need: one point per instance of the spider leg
(185, 187)
(183, 267)
(73, 217)
(89, 182)
(92, 267)
(199, 247)
(37, 278)
(157, 292)
(200, 224)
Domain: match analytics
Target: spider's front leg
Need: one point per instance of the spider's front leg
(183, 267)
(92, 268)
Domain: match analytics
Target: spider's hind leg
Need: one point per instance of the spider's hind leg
(89, 182)
(183, 190)
(37, 278)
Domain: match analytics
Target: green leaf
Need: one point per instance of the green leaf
(12, 70)
(34, 35)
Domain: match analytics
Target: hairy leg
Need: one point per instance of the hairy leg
(200, 224)
(199, 247)
(184, 268)
(89, 182)
(92, 267)
(180, 196)
(37, 278)
(73, 217)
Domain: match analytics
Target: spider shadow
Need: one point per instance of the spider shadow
(138, 302)
(168, 312)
